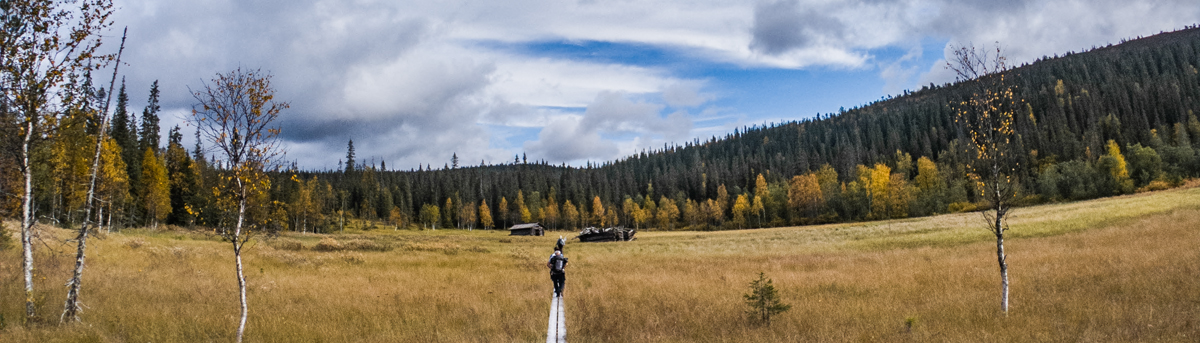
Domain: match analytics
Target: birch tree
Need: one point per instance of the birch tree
(485, 215)
(156, 188)
(236, 115)
(44, 44)
(71, 307)
(987, 118)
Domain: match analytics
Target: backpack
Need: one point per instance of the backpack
(557, 263)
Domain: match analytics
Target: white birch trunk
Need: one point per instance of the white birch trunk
(27, 223)
(998, 230)
(237, 255)
(1003, 272)
(71, 307)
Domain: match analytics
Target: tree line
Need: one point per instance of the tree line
(1113, 120)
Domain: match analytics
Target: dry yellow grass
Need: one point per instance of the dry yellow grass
(1120, 269)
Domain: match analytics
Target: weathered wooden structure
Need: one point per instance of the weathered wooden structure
(608, 234)
(527, 229)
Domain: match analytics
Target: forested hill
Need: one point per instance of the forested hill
(1140, 94)
(897, 157)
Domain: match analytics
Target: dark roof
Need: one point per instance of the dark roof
(524, 226)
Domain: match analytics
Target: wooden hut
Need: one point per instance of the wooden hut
(527, 229)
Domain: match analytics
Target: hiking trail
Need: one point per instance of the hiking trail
(556, 331)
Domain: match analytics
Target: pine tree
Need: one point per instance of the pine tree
(182, 176)
(150, 132)
(350, 156)
(125, 133)
(121, 122)
(763, 300)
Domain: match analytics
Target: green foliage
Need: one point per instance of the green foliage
(1116, 173)
(763, 300)
(1144, 164)
(430, 215)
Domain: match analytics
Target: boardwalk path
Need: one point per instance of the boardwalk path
(556, 332)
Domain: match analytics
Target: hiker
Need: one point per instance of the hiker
(561, 243)
(558, 274)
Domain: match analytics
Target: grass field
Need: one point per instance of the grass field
(1121, 269)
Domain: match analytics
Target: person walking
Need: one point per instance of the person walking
(558, 246)
(558, 274)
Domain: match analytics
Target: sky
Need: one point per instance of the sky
(414, 83)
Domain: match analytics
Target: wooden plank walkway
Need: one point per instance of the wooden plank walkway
(556, 331)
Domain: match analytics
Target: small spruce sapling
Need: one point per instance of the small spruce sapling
(764, 300)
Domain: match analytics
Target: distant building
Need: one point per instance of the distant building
(527, 229)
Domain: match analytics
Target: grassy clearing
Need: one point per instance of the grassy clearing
(1117, 269)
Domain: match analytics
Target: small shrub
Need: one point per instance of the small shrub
(909, 323)
(764, 300)
(1156, 185)
(962, 206)
(328, 244)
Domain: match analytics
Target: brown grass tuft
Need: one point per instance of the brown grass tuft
(366, 245)
(286, 244)
(329, 244)
(136, 242)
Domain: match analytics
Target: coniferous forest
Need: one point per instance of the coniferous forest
(1113, 120)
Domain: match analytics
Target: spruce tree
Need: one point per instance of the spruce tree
(763, 300)
(350, 156)
(126, 138)
(150, 130)
(182, 178)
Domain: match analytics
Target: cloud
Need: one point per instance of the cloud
(1028, 30)
(405, 80)
(685, 94)
(898, 74)
(784, 25)
(546, 82)
(581, 137)
(564, 139)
